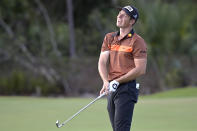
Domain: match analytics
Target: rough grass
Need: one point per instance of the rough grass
(171, 113)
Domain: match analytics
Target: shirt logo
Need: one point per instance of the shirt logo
(129, 35)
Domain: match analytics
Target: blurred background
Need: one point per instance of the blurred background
(51, 48)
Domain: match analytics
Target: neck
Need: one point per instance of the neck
(125, 31)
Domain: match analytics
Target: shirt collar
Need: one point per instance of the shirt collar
(129, 35)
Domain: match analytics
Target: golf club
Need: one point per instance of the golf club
(60, 125)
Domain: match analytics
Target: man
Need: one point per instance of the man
(123, 58)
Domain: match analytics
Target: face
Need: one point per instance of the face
(123, 20)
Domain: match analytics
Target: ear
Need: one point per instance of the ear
(132, 21)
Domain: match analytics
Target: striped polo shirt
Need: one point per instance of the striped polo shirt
(123, 52)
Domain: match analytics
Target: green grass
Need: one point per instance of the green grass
(150, 114)
(176, 93)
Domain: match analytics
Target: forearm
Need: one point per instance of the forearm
(103, 65)
(103, 71)
(140, 69)
(131, 75)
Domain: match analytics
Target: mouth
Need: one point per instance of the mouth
(118, 21)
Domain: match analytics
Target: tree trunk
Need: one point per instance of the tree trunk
(72, 50)
(50, 27)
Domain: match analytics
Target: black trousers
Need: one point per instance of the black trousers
(121, 104)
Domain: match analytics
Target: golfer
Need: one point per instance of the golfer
(122, 59)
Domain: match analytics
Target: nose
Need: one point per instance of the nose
(118, 17)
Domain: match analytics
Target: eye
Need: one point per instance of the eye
(126, 15)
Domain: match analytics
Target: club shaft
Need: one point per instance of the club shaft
(82, 109)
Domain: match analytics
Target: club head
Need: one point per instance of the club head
(57, 124)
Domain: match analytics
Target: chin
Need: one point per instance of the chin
(118, 25)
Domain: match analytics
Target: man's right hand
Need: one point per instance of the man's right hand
(105, 88)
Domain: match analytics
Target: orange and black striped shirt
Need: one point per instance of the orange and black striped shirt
(123, 52)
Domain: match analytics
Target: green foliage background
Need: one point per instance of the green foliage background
(168, 27)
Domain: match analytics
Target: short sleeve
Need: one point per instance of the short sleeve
(139, 49)
(105, 45)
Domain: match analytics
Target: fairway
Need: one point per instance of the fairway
(40, 114)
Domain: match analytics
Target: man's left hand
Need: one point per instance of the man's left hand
(113, 85)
